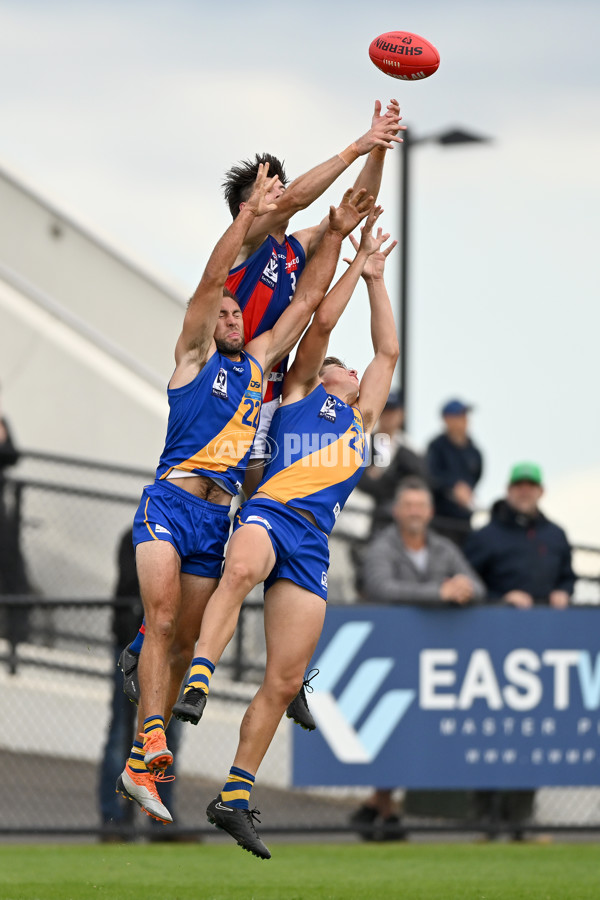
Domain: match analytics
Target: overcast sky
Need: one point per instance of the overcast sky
(127, 114)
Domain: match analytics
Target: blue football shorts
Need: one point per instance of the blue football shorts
(301, 549)
(196, 528)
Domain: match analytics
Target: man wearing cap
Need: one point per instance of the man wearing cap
(393, 459)
(455, 465)
(522, 557)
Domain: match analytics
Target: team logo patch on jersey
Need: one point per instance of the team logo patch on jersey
(328, 409)
(269, 275)
(324, 579)
(219, 388)
(337, 510)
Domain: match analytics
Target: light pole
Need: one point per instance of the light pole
(447, 138)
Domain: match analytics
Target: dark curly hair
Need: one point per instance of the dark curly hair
(239, 180)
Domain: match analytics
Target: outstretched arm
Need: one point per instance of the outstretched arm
(273, 345)
(305, 189)
(376, 382)
(203, 309)
(371, 173)
(312, 350)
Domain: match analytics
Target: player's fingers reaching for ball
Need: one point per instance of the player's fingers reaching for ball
(380, 238)
(363, 204)
(263, 171)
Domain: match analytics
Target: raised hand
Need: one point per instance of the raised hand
(384, 129)
(375, 264)
(354, 207)
(369, 243)
(257, 202)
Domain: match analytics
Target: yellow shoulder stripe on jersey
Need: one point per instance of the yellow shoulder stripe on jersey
(316, 471)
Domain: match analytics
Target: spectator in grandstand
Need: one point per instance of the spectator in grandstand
(116, 812)
(392, 459)
(455, 466)
(523, 559)
(408, 563)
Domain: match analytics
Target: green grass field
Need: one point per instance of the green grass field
(301, 872)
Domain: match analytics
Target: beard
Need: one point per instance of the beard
(230, 346)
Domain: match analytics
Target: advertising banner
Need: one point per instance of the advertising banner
(454, 698)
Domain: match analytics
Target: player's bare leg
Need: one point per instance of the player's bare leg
(196, 591)
(158, 568)
(250, 557)
(293, 622)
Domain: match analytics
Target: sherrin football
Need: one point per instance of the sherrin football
(404, 55)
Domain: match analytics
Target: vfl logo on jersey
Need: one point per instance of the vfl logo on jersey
(328, 409)
(219, 388)
(336, 510)
(269, 275)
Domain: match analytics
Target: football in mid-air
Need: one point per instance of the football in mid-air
(404, 55)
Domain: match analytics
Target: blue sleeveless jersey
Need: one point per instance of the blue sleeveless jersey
(264, 285)
(212, 421)
(320, 443)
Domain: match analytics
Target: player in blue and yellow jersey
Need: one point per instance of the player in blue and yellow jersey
(182, 523)
(281, 533)
(267, 268)
(270, 261)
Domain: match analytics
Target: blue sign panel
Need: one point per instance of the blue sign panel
(475, 698)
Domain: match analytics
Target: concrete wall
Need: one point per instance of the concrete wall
(86, 338)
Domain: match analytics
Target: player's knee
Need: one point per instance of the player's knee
(162, 626)
(240, 576)
(287, 685)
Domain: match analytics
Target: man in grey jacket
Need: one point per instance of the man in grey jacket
(408, 563)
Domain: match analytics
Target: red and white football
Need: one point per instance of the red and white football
(404, 55)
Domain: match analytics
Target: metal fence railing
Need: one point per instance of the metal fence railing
(58, 686)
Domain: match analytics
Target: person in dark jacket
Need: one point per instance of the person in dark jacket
(455, 466)
(14, 624)
(522, 556)
(523, 559)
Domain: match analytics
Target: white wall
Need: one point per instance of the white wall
(86, 338)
